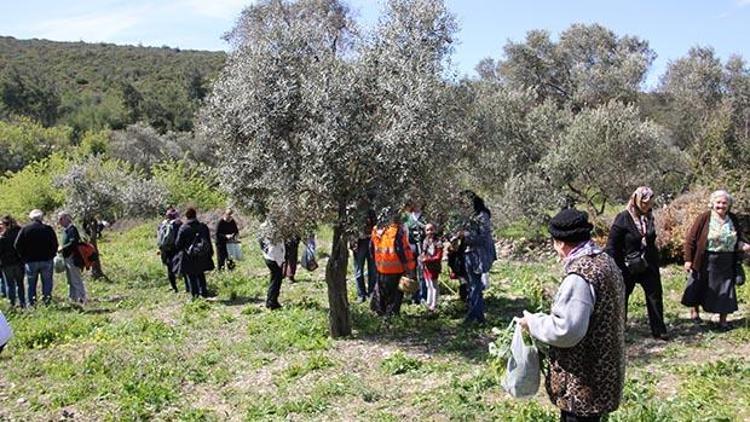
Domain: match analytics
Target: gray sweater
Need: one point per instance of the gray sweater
(569, 320)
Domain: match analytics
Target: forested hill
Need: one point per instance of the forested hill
(83, 84)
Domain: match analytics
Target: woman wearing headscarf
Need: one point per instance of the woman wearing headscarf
(712, 253)
(632, 243)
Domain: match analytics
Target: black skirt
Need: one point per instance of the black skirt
(713, 287)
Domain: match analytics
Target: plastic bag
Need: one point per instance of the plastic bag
(234, 251)
(308, 255)
(523, 373)
(59, 264)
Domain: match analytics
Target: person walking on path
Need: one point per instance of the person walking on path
(166, 241)
(11, 266)
(585, 330)
(71, 238)
(36, 244)
(226, 231)
(195, 253)
(632, 243)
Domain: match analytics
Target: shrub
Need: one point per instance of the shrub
(193, 184)
(674, 220)
(24, 141)
(32, 187)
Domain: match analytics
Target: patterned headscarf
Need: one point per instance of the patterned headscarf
(642, 194)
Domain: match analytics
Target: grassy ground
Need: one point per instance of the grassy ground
(138, 351)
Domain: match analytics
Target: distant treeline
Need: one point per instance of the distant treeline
(91, 87)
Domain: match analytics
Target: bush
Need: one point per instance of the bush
(32, 187)
(24, 141)
(674, 220)
(193, 184)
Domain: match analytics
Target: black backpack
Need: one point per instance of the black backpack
(199, 247)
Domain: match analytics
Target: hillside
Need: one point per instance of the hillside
(159, 85)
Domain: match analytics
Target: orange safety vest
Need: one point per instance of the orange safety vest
(387, 260)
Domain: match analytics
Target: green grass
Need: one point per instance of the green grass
(140, 352)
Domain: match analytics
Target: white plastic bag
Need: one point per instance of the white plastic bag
(59, 264)
(485, 280)
(234, 251)
(5, 332)
(522, 377)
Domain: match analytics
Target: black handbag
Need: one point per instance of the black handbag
(739, 275)
(636, 263)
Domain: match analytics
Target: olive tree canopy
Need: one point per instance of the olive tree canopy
(312, 115)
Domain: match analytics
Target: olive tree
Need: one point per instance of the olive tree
(313, 115)
(589, 65)
(108, 188)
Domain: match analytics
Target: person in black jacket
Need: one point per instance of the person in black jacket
(36, 244)
(10, 262)
(194, 253)
(226, 230)
(166, 241)
(632, 243)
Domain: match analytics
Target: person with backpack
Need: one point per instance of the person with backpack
(71, 239)
(166, 241)
(194, 253)
(226, 230)
(11, 266)
(36, 244)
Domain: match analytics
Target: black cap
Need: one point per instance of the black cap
(571, 226)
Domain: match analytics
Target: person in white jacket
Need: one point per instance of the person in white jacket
(273, 253)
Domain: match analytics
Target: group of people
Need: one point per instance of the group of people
(406, 245)
(29, 253)
(186, 249)
(585, 328)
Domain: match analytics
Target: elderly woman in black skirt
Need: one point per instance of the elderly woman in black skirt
(712, 252)
(632, 243)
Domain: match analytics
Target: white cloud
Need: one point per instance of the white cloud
(743, 3)
(92, 27)
(221, 9)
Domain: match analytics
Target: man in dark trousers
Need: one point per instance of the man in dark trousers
(37, 246)
(195, 253)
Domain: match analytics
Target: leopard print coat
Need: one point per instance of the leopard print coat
(587, 379)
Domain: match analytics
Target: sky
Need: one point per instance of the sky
(670, 26)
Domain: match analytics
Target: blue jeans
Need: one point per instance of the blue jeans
(13, 279)
(41, 269)
(476, 298)
(363, 256)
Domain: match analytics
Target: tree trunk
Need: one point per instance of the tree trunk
(339, 320)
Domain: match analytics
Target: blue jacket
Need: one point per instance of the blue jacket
(480, 252)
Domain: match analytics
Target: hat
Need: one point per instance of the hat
(570, 226)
